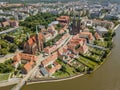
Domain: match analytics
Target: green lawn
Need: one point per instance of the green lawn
(100, 43)
(93, 57)
(69, 70)
(4, 77)
(91, 62)
(96, 51)
(60, 74)
(87, 62)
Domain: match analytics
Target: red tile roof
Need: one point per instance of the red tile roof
(32, 40)
(63, 18)
(51, 49)
(6, 23)
(83, 48)
(97, 36)
(28, 66)
(29, 57)
(50, 59)
(56, 67)
(87, 33)
(17, 58)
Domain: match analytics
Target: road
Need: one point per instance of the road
(8, 30)
(11, 81)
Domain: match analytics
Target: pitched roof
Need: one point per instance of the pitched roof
(97, 36)
(87, 33)
(83, 48)
(56, 67)
(23, 56)
(5, 23)
(51, 58)
(63, 18)
(50, 49)
(28, 67)
(32, 40)
(17, 58)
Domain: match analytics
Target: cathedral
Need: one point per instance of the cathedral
(75, 26)
(34, 44)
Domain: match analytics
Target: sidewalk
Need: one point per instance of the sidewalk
(10, 82)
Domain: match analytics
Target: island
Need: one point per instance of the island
(50, 47)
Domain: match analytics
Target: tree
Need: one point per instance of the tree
(13, 48)
(95, 42)
(6, 67)
(106, 53)
(8, 62)
(110, 44)
(3, 51)
(63, 68)
(4, 44)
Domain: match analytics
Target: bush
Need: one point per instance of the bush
(3, 51)
(13, 48)
(6, 67)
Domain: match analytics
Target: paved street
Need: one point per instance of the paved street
(9, 30)
(10, 82)
(95, 46)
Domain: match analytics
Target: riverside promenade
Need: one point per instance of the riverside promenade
(54, 79)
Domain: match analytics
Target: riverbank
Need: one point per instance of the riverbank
(10, 82)
(54, 79)
(66, 78)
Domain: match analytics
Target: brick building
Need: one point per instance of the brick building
(34, 44)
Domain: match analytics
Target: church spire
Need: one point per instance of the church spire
(79, 17)
(38, 39)
(28, 35)
(36, 30)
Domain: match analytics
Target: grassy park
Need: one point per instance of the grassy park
(4, 76)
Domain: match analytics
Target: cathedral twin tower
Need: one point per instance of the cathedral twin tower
(76, 24)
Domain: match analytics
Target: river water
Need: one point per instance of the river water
(107, 77)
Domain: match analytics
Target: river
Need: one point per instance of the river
(107, 77)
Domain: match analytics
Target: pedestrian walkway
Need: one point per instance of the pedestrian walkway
(96, 46)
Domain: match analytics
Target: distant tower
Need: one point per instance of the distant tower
(75, 26)
(38, 39)
(78, 24)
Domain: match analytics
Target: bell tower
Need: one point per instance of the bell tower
(78, 24)
(28, 36)
(38, 39)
